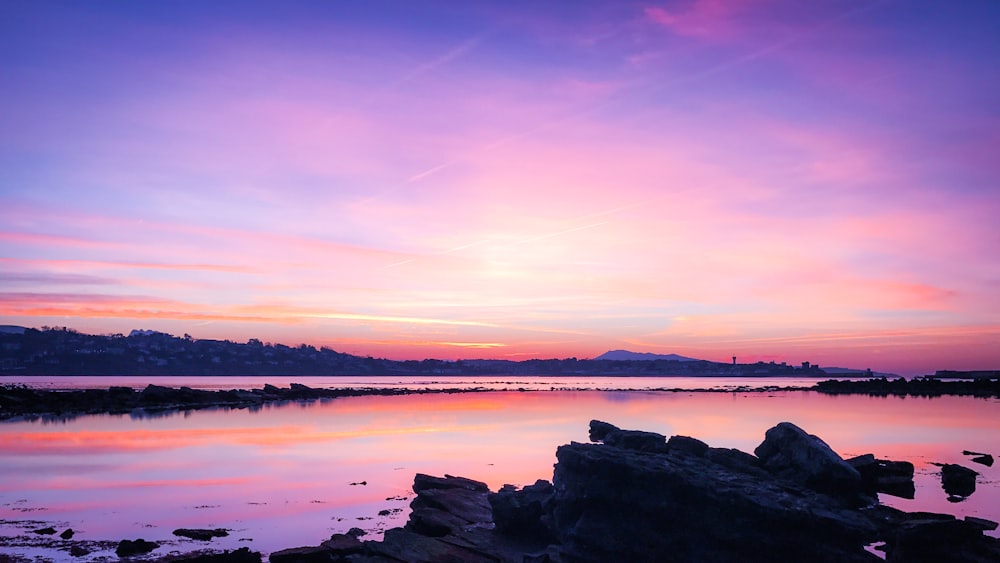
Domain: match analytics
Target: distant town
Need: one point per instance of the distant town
(64, 351)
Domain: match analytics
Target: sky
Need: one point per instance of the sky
(775, 180)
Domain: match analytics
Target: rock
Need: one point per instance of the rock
(736, 460)
(127, 548)
(523, 512)
(686, 444)
(78, 551)
(402, 544)
(639, 440)
(241, 555)
(356, 532)
(986, 460)
(600, 429)
(343, 544)
(612, 504)
(958, 481)
(201, 534)
(44, 531)
(448, 505)
(939, 540)
(982, 523)
(895, 478)
(790, 453)
(884, 476)
(314, 554)
(67, 534)
(684, 502)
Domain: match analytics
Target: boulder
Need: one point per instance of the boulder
(127, 548)
(614, 504)
(958, 481)
(790, 453)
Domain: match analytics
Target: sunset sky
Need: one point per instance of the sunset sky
(771, 179)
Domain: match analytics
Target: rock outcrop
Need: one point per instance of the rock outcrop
(638, 496)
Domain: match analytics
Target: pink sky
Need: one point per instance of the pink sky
(712, 178)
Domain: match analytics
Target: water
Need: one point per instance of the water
(281, 476)
(495, 383)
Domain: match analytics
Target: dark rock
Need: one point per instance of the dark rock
(792, 454)
(78, 551)
(314, 554)
(271, 389)
(402, 544)
(939, 540)
(895, 478)
(884, 476)
(982, 523)
(651, 502)
(448, 505)
(127, 548)
(958, 481)
(986, 460)
(422, 482)
(241, 555)
(44, 531)
(356, 532)
(523, 512)
(600, 429)
(639, 440)
(687, 445)
(201, 534)
(362, 483)
(67, 534)
(343, 544)
(736, 460)
(618, 505)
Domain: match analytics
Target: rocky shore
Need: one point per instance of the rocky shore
(921, 387)
(21, 401)
(633, 495)
(639, 496)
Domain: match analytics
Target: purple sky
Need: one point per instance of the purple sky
(772, 179)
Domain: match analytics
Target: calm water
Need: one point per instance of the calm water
(281, 476)
(496, 383)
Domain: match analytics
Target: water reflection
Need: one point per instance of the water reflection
(282, 476)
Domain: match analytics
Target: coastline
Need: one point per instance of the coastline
(22, 402)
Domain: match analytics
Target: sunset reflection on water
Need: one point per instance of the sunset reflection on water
(282, 475)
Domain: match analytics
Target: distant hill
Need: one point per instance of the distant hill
(625, 355)
(11, 329)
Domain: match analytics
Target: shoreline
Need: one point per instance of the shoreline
(22, 402)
